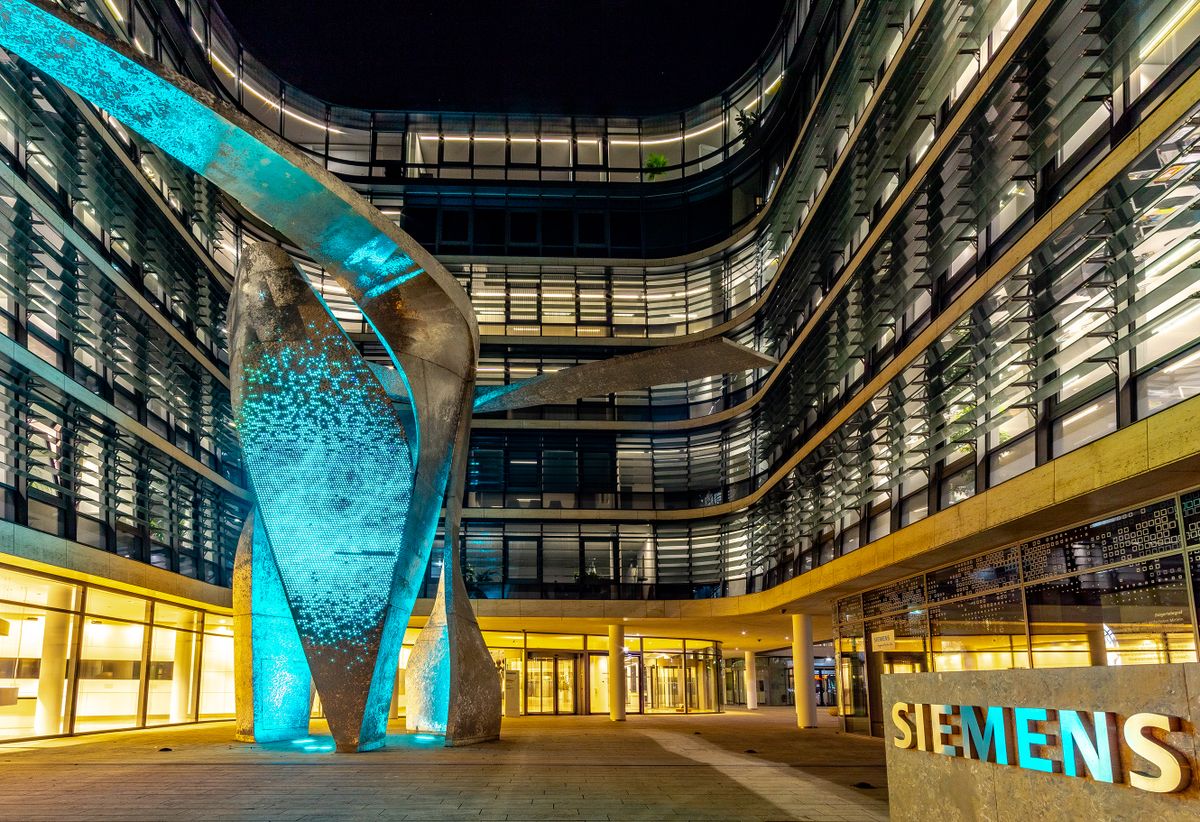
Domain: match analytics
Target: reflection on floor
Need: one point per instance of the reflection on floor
(737, 765)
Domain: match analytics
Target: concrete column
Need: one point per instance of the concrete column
(182, 675)
(751, 682)
(616, 673)
(49, 712)
(802, 671)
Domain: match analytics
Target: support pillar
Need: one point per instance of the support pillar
(50, 711)
(616, 673)
(182, 677)
(802, 671)
(751, 682)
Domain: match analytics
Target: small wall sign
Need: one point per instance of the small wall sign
(883, 640)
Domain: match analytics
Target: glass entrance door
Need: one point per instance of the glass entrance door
(564, 694)
(539, 684)
(550, 684)
(633, 683)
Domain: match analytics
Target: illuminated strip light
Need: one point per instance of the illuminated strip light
(663, 140)
(482, 138)
(658, 141)
(1171, 27)
(223, 66)
(113, 8)
(1188, 360)
(1078, 415)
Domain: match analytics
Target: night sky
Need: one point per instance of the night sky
(521, 56)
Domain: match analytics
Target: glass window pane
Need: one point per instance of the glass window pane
(34, 657)
(174, 616)
(664, 682)
(110, 667)
(701, 671)
(981, 634)
(35, 590)
(562, 642)
(598, 683)
(117, 605)
(171, 683)
(1132, 615)
(657, 644)
(216, 677)
(497, 639)
(1089, 423)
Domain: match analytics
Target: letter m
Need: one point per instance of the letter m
(986, 738)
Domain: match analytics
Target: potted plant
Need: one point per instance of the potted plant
(655, 163)
(748, 123)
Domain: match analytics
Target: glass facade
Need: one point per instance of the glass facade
(1119, 591)
(78, 657)
(569, 673)
(850, 253)
(966, 233)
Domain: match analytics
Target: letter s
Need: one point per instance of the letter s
(1174, 773)
(907, 738)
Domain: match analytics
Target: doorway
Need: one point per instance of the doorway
(551, 683)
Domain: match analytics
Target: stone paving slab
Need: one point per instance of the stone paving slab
(732, 766)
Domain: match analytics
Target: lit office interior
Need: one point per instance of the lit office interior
(79, 658)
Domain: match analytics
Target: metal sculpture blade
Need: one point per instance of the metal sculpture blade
(452, 684)
(333, 476)
(271, 677)
(416, 307)
(629, 372)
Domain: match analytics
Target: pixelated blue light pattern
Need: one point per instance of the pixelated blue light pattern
(282, 683)
(261, 179)
(333, 475)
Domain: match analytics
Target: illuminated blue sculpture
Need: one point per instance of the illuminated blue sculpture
(274, 697)
(350, 464)
(421, 315)
(333, 476)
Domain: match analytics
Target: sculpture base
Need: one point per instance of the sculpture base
(362, 747)
(459, 742)
(452, 683)
(273, 735)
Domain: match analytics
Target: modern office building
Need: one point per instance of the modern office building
(966, 233)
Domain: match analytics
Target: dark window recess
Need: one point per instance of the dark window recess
(456, 226)
(591, 228)
(421, 223)
(626, 228)
(489, 228)
(523, 227)
(556, 229)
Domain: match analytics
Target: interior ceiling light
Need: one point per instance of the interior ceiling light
(1176, 21)
(658, 141)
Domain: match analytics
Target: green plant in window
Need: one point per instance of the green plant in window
(590, 580)
(748, 123)
(475, 580)
(655, 163)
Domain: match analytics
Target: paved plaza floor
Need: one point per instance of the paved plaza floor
(732, 766)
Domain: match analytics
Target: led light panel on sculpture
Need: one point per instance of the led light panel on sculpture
(333, 475)
(420, 313)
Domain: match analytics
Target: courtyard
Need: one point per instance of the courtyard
(648, 768)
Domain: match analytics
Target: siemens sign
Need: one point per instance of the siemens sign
(1074, 743)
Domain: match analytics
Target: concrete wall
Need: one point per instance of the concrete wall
(932, 786)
